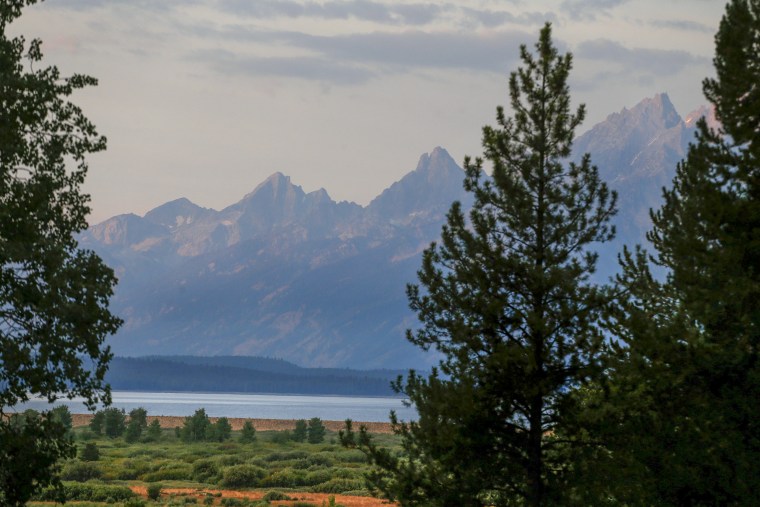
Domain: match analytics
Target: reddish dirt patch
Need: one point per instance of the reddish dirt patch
(315, 498)
(259, 424)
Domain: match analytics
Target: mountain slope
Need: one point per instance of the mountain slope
(285, 273)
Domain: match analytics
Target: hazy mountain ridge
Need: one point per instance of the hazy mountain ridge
(296, 275)
(242, 375)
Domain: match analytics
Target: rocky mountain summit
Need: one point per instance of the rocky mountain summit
(296, 275)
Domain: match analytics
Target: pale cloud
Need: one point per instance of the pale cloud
(589, 9)
(308, 68)
(656, 62)
(378, 12)
(681, 24)
(355, 58)
(494, 18)
(205, 98)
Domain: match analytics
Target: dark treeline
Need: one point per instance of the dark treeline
(242, 375)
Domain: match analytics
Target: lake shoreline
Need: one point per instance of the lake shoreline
(79, 420)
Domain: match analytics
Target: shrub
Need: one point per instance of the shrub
(282, 437)
(338, 485)
(127, 474)
(285, 478)
(330, 502)
(350, 456)
(90, 453)
(74, 491)
(80, 471)
(154, 491)
(272, 496)
(242, 476)
(229, 460)
(205, 470)
(318, 477)
(287, 456)
(173, 473)
(320, 460)
(220, 430)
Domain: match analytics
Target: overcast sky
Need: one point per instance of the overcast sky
(206, 98)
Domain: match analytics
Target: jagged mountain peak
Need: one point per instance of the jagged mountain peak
(432, 186)
(178, 212)
(437, 160)
(276, 184)
(275, 191)
(652, 113)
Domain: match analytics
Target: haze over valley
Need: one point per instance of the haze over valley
(295, 275)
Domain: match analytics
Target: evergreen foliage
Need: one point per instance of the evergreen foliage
(506, 298)
(153, 433)
(316, 431)
(154, 491)
(138, 422)
(685, 382)
(220, 430)
(301, 431)
(53, 295)
(96, 423)
(139, 416)
(247, 433)
(114, 422)
(90, 452)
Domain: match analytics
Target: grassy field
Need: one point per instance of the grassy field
(273, 470)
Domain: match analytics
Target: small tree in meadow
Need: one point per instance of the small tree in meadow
(195, 427)
(316, 430)
(90, 452)
(154, 491)
(247, 433)
(114, 422)
(220, 430)
(62, 415)
(96, 423)
(301, 431)
(153, 433)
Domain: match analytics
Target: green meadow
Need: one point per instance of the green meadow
(108, 471)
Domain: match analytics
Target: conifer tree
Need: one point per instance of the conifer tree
(686, 382)
(506, 298)
(247, 433)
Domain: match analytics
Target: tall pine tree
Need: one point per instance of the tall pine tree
(506, 298)
(686, 382)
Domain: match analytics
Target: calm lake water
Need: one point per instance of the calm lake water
(263, 406)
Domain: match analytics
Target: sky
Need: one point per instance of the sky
(205, 99)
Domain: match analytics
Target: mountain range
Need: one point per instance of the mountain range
(295, 275)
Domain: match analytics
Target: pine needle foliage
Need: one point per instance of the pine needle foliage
(506, 298)
(686, 380)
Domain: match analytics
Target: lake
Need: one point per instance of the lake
(259, 406)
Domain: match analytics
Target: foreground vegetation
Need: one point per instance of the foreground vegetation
(108, 470)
